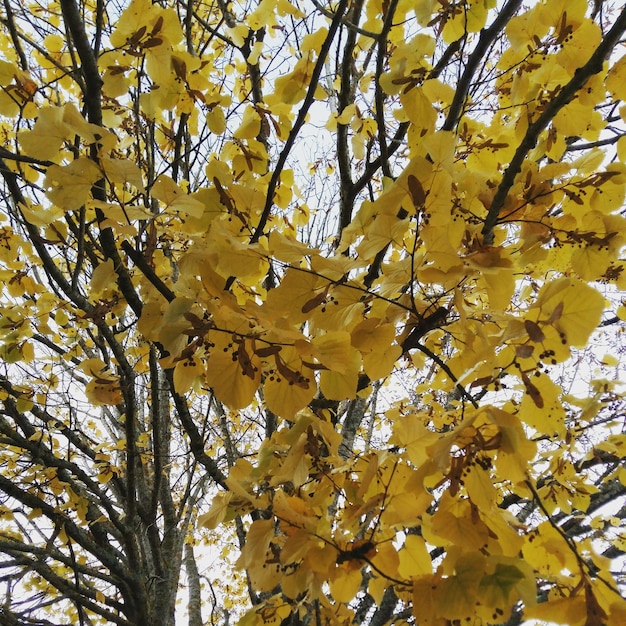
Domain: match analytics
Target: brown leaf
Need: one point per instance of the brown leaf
(244, 360)
(596, 615)
(314, 366)
(314, 302)
(534, 332)
(225, 199)
(533, 391)
(153, 42)
(291, 376)
(418, 196)
(267, 351)
(157, 26)
(180, 67)
(482, 382)
(556, 314)
(525, 351)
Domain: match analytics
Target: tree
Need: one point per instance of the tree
(311, 312)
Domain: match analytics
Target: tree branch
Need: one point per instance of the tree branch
(10, 23)
(195, 439)
(379, 96)
(346, 97)
(302, 113)
(486, 39)
(92, 95)
(566, 95)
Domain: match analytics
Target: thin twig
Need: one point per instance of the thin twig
(302, 114)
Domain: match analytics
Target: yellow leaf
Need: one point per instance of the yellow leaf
(385, 559)
(216, 120)
(335, 350)
(345, 583)
(24, 404)
(569, 611)
(232, 370)
(503, 526)
(39, 215)
(291, 88)
(342, 384)
(250, 124)
(47, 136)
(419, 109)
(7, 72)
(217, 513)
(91, 133)
(174, 198)
(238, 34)
(273, 612)
(122, 171)
(377, 587)
(347, 114)
(575, 307)
(410, 432)
(591, 262)
(425, 604)
(286, 393)
(454, 524)
(570, 120)
(547, 552)
(254, 555)
(580, 44)
(69, 186)
(186, 373)
(500, 286)
(616, 79)
(104, 475)
(260, 533)
(293, 510)
(479, 485)
(103, 278)
(456, 595)
(236, 258)
(341, 310)
(172, 332)
(138, 14)
(500, 589)
(295, 290)
(287, 249)
(115, 79)
(541, 407)
(295, 469)
(105, 392)
(414, 558)
(93, 366)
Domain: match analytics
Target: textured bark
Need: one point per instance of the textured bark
(194, 605)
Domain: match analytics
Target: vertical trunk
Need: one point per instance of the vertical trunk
(163, 593)
(194, 605)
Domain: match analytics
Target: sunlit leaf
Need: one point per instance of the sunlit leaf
(414, 558)
(291, 386)
(580, 308)
(232, 370)
(48, 134)
(174, 198)
(345, 583)
(69, 186)
(571, 611)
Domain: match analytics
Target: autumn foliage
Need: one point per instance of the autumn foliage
(311, 313)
